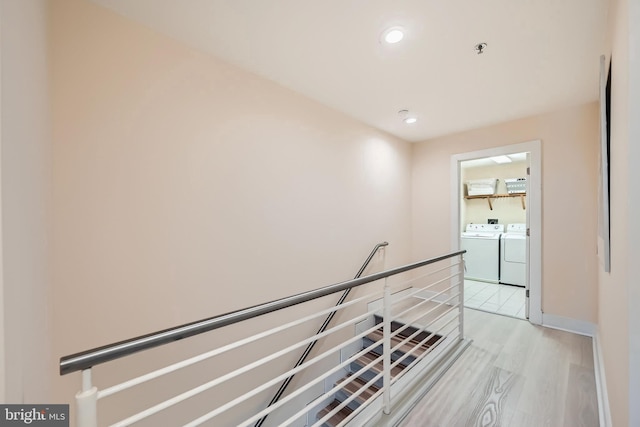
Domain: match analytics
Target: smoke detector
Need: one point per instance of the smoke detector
(480, 47)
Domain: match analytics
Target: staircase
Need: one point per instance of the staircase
(356, 384)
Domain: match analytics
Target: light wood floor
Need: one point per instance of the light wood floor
(513, 374)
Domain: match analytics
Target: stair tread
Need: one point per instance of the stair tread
(355, 385)
(411, 346)
(336, 418)
(395, 325)
(370, 356)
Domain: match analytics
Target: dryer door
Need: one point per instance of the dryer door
(515, 249)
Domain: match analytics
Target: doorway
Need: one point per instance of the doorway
(514, 288)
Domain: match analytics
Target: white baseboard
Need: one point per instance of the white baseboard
(591, 330)
(604, 410)
(567, 324)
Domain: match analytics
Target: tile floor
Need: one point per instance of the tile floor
(494, 298)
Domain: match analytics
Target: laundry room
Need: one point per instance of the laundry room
(493, 216)
(507, 210)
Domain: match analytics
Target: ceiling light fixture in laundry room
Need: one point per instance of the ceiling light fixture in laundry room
(501, 159)
(393, 35)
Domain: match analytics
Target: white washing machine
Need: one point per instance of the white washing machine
(482, 243)
(513, 255)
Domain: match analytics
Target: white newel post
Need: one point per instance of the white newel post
(461, 298)
(87, 402)
(386, 347)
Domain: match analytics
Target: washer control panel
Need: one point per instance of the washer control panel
(517, 228)
(485, 228)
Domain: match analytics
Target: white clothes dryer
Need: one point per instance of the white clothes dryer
(513, 255)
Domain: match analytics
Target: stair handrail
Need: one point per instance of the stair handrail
(89, 358)
(322, 328)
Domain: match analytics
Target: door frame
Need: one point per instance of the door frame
(534, 205)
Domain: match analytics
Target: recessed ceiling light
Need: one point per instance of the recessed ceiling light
(393, 35)
(501, 159)
(410, 120)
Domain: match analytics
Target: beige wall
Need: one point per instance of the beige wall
(184, 187)
(194, 167)
(634, 211)
(619, 290)
(569, 149)
(506, 210)
(25, 170)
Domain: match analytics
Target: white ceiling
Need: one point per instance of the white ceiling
(541, 55)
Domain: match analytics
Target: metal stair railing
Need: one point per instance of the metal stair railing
(322, 328)
(434, 310)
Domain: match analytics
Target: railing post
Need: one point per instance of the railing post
(87, 402)
(461, 298)
(386, 347)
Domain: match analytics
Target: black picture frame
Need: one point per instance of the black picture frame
(604, 183)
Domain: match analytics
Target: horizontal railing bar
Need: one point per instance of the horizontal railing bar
(420, 357)
(96, 356)
(360, 408)
(336, 387)
(422, 329)
(327, 374)
(420, 316)
(424, 340)
(343, 384)
(416, 291)
(332, 391)
(217, 381)
(378, 343)
(425, 354)
(324, 326)
(400, 374)
(431, 273)
(196, 359)
(432, 333)
(426, 300)
(430, 285)
(354, 395)
(413, 324)
(170, 402)
(275, 380)
(417, 360)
